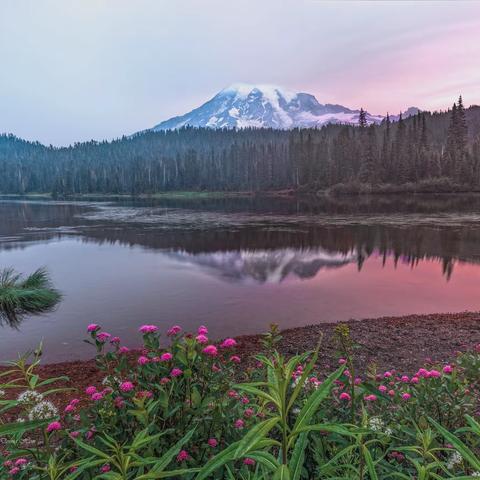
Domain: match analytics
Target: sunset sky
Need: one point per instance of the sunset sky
(81, 69)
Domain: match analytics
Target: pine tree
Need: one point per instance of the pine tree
(362, 118)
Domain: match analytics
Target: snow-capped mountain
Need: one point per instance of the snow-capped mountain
(243, 105)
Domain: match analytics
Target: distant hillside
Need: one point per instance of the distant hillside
(433, 152)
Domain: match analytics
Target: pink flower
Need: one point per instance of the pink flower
(248, 412)
(245, 400)
(387, 374)
(414, 380)
(142, 360)
(422, 372)
(357, 381)
(232, 394)
(212, 442)
(202, 330)
(7, 463)
(391, 393)
(14, 471)
(382, 388)
(97, 396)
(228, 343)
(215, 368)
(405, 379)
(148, 329)
(166, 357)
(105, 468)
(89, 435)
(74, 402)
(126, 386)
(115, 340)
(174, 330)
(447, 369)
(342, 361)
(182, 456)
(435, 374)
(123, 350)
(370, 398)
(103, 337)
(21, 461)
(345, 396)
(210, 350)
(201, 338)
(69, 408)
(176, 372)
(90, 390)
(54, 426)
(93, 327)
(248, 461)
(164, 381)
(406, 396)
(235, 359)
(75, 434)
(239, 424)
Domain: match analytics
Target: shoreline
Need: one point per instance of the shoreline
(403, 343)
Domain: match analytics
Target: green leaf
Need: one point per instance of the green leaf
(252, 389)
(282, 473)
(315, 399)
(369, 462)
(298, 456)
(258, 432)
(266, 459)
(225, 456)
(21, 427)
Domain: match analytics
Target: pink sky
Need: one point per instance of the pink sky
(81, 69)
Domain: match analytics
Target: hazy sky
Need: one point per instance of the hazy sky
(73, 70)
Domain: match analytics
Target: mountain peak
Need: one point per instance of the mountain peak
(245, 105)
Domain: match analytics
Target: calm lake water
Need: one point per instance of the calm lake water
(237, 264)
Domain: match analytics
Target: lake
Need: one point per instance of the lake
(237, 264)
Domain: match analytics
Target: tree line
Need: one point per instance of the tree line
(440, 149)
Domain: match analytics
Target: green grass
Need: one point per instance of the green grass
(21, 296)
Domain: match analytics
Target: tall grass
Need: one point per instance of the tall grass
(21, 296)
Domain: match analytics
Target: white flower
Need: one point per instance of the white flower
(43, 411)
(295, 410)
(111, 381)
(475, 474)
(454, 459)
(2, 393)
(30, 396)
(376, 424)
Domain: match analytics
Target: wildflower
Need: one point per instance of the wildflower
(210, 350)
(14, 471)
(248, 461)
(123, 350)
(345, 396)
(174, 330)
(387, 374)
(447, 369)
(90, 390)
(414, 380)
(376, 424)
(105, 468)
(2, 393)
(7, 463)
(235, 359)
(103, 337)
(75, 434)
(406, 396)
(391, 393)
(93, 327)
(97, 396)
(126, 386)
(434, 374)
(148, 329)
(357, 381)
(370, 398)
(239, 424)
(30, 396)
(245, 400)
(74, 402)
(73, 469)
(145, 394)
(454, 459)
(232, 394)
(43, 411)
(176, 372)
(342, 361)
(53, 426)
(164, 381)
(182, 456)
(422, 372)
(215, 368)
(405, 379)
(248, 412)
(382, 388)
(20, 462)
(228, 343)
(212, 442)
(69, 408)
(166, 357)
(201, 338)
(115, 340)
(202, 330)
(142, 360)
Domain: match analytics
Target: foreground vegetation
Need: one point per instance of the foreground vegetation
(20, 296)
(197, 410)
